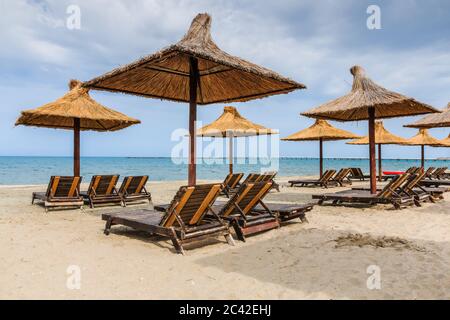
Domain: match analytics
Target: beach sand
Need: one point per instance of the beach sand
(323, 259)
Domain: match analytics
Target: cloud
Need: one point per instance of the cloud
(314, 42)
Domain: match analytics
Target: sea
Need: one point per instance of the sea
(37, 170)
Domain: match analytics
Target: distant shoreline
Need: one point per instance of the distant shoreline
(281, 158)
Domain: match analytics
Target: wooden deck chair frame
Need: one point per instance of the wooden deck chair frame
(341, 177)
(239, 210)
(230, 183)
(323, 181)
(62, 191)
(389, 194)
(102, 190)
(184, 221)
(133, 189)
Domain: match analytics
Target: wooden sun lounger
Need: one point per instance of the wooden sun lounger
(269, 176)
(62, 191)
(357, 174)
(434, 182)
(102, 189)
(133, 189)
(341, 177)
(323, 181)
(184, 221)
(239, 210)
(231, 183)
(387, 195)
(286, 212)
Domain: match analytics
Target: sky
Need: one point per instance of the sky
(312, 42)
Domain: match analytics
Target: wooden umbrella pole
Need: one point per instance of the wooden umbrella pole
(76, 147)
(321, 156)
(193, 82)
(380, 172)
(372, 162)
(423, 156)
(231, 152)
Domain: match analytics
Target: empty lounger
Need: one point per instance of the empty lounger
(102, 189)
(133, 189)
(239, 210)
(387, 195)
(231, 183)
(323, 181)
(184, 221)
(62, 191)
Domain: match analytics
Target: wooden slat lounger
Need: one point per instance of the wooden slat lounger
(231, 183)
(133, 189)
(239, 210)
(357, 174)
(102, 189)
(323, 181)
(435, 182)
(386, 196)
(184, 221)
(286, 212)
(62, 191)
(341, 177)
(269, 176)
(429, 172)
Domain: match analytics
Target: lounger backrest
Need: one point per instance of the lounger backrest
(232, 180)
(63, 187)
(411, 170)
(133, 185)
(413, 181)
(252, 177)
(327, 175)
(356, 172)
(102, 184)
(342, 173)
(246, 198)
(267, 176)
(429, 171)
(393, 185)
(190, 204)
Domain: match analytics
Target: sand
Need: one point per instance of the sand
(402, 254)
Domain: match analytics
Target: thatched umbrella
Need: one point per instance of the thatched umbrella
(321, 131)
(76, 111)
(382, 136)
(196, 71)
(433, 120)
(445, 142)
(422, 139)
(368, 101)
(231, 124)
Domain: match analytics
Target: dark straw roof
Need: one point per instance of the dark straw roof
(223, 78)
(433, 120)
(365, 94)
(76, 104)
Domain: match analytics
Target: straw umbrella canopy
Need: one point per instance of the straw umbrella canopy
(76, 111)
(433, 120)
(196, 71)
(231, 124)
(382, 136)
(321, 131)
(422, 139)
(445, 142)
(368, 101)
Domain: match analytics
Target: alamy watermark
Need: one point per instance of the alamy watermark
(374, 20)
(71, 21)
(73, 281)
(374, 280)
(249, 147)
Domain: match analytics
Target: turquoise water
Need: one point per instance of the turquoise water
(37, 170)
